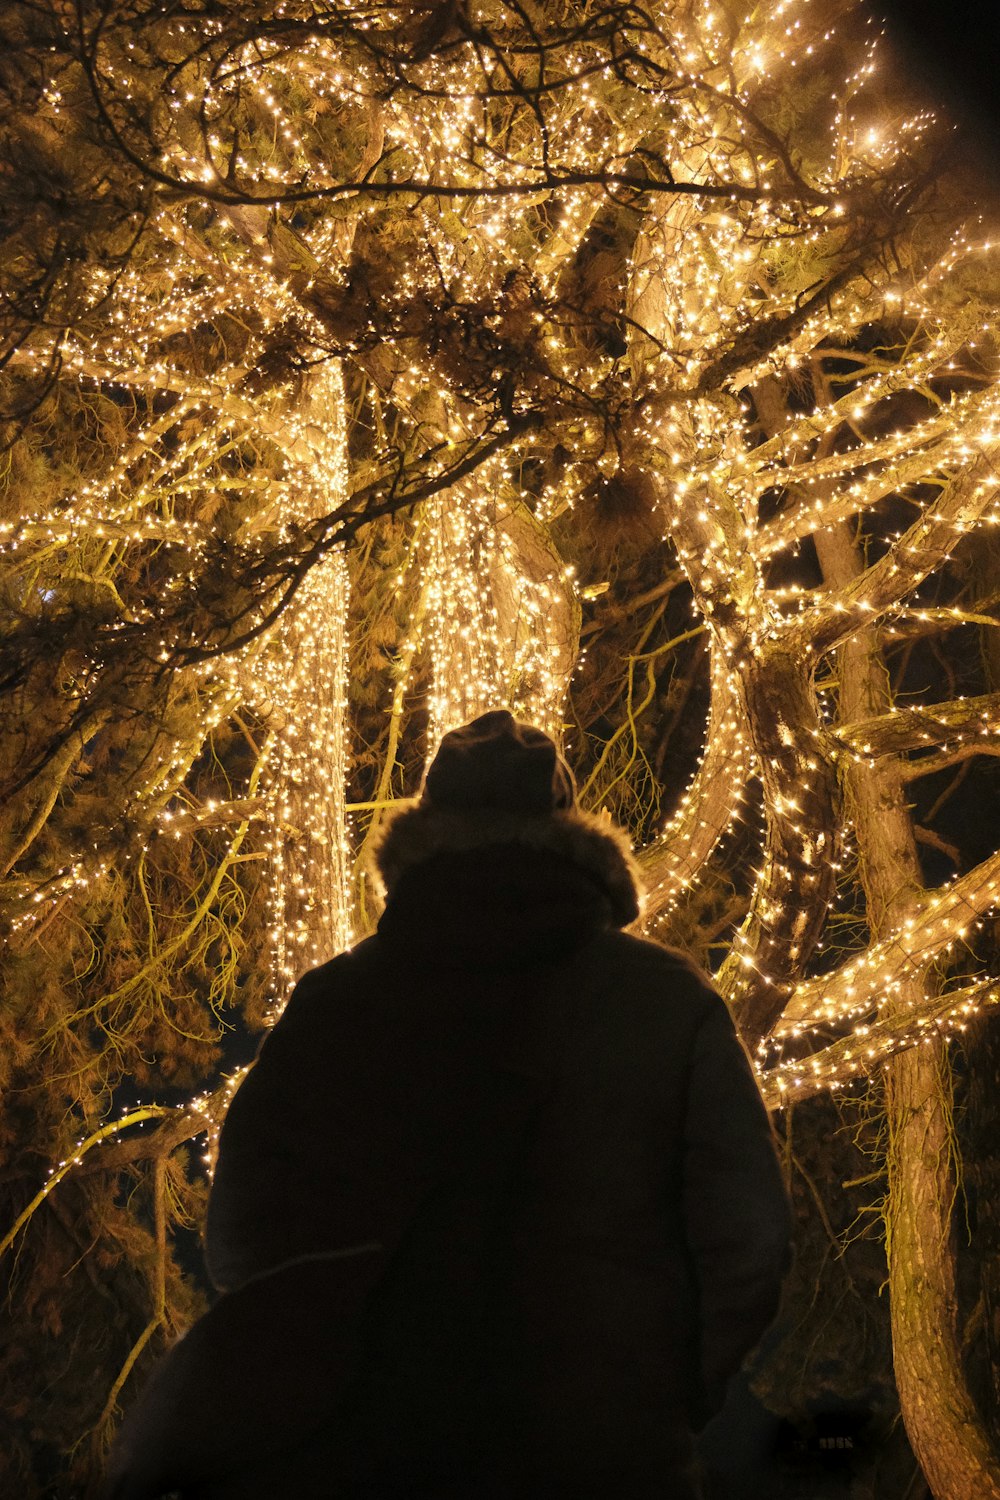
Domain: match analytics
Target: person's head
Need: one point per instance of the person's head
(498, 788)
(500, 764)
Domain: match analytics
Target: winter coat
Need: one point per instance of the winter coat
(499, 1197)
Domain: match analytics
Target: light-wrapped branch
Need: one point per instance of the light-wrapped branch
(939, 920)
(968, 723)
(919, 551)
(867, 1045)
(797, 883)
(708, 806)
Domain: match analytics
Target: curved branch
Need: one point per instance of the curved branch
(858, 1054)
(106, 1132)
(921, 549)
(709, 804)
(923, 725)
(938, 920)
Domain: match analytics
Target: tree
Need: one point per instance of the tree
(363, 369)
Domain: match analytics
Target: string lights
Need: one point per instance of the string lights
(302, 678)
(497, 636)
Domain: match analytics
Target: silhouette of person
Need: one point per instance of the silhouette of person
(497, 1211)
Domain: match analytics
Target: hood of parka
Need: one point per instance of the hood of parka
(501, 890)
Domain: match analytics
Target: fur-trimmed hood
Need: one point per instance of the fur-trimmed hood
(591, 845)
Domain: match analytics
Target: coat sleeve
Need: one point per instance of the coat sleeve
(736, 1211)
(284, 1183)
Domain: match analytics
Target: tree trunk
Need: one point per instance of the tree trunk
(944, 1427)
(983, 1176)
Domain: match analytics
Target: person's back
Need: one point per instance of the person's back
(541, 1138)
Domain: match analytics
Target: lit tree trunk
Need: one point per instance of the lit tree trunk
(797, 883)
(943, 1425)
(984, 1090)
(983, 1173)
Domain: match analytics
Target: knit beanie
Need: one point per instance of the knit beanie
(500, 763)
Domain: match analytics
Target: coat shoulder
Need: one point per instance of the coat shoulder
(645, 995)
(324, 985)
(665, 970)
(343, 968)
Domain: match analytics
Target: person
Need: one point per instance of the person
(497, 1212)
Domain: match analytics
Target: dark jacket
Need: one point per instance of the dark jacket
(518, 1165)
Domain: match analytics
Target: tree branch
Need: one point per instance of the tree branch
(921, 549)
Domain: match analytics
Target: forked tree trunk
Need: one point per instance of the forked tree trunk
(944, 1426)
